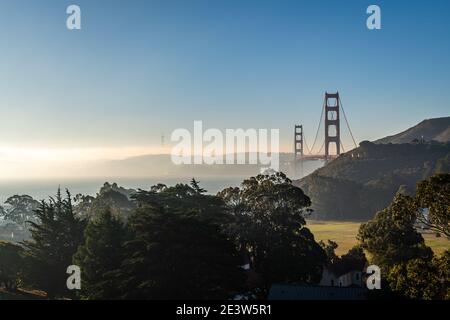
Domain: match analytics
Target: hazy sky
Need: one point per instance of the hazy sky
(140, 68)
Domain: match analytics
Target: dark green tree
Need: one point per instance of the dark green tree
(443, 165)
(21, 209)
(186, 200)
(354, 259)
(83, 204)
(269, 224)
(330, 251)
(11, 265)
(395, 245)
(391, 238)
(433, 203)
(110, 197)
(442, 264)
(101, 256)
(176, 256)
(55, 238)
(417, 279)
(196, 186)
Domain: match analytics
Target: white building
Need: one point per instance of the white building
(349, 279)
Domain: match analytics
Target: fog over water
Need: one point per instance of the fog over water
(42, 188)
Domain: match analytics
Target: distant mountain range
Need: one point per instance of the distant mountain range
(437, 129)
(162, 166)
(363, 181)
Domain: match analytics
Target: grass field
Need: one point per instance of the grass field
(344, 233)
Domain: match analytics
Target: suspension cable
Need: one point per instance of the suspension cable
(306, 145)
(318, 126)
(342, 145)
(346, 121)
(323, 145)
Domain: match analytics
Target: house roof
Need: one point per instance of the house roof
(296, 292)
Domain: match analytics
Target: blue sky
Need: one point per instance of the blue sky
(140, 68)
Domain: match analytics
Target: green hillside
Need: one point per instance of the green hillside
(437, 129)
(363, 181)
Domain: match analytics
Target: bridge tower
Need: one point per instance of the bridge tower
(298, 142)
(298, 151)
(332, 120)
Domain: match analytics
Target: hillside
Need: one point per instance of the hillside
(363, 181)
(437, 129)
(162, 166)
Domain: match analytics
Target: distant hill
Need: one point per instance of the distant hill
(162, 166)
(363, 181)
(437, 129)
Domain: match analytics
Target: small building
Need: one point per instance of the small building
(336, 284)
(348, 279)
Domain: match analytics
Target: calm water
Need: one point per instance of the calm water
(42, 189)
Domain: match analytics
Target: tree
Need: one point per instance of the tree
(330, 251)
(114, 201)
(110, 197)
(11, 264)
(186, 200)
(82, 205)
(100, 256)
(442, 264)
(21, 209)
(443, 165)
(391, 238)
(396, 246)
(417, 279)
(433, 203)
(196, 186)
(269, 225)
(176, 256)
(55, 238)
(354, 259)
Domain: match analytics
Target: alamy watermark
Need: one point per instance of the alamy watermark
(235, 146)
(74, 280)
(374, 20)
(374, 278)
(73, 21)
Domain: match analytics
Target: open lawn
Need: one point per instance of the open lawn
(344, 233)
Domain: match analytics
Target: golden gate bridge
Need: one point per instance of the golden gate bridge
(331, 118)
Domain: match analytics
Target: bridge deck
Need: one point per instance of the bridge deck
(317, 157)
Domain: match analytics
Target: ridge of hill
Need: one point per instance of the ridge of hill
(363, 181)
(437, 129)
